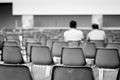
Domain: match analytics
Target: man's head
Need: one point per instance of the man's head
(95, 26)
(73, 24)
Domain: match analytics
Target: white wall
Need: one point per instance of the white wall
(5, 1)
(66, 7)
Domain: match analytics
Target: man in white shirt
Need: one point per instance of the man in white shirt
(96, 34)
(73, 34)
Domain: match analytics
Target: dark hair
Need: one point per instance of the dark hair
(95, 26)
(73, 24)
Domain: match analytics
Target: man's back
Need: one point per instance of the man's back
(73, 35)
(96, 34)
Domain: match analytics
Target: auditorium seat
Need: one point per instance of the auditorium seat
(99, 43)
(89, 50)
(61, 39)
(73, 56)
(74, 43)
(57, 50)
(107, 60)
(43, 40)
(1, 45)
(114, 45)
(12, 55)
(14, 72)
(11, 43)
(1, 42)
(42, 62)
(28, 48)
(72, 73)
(50, 42)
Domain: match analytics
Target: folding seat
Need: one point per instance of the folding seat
(43, 40)
(42, 62)
(72, 73)
(28, 49)
(50, 42)
(107, 60)
(11, 43)
(29, 44)
(74, 43)
(114, 45)
(12, 55)
(73, 56)
(99, 43)
(57, 49)
(14, 72)
(1, 42)
(89, 50)
(60, 39)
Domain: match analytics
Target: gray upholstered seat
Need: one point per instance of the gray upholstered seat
(89, 49)
(42, 62)
(72, 73)
(107, 58)
(12, 55)
(73, 57)
(114, 45)
(14, 72)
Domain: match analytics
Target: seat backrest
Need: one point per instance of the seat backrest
(14, 72)
(1, 42)
(72, 73)
(57, 48)
(89, 49)
(61, 39)
(114, 45)
(74, 43)
(43, 40)
(98, 43)
(29, 44)
(73, 56)
(41, 55)
(11, 43)
(50, 42)
(107, 58)
(12, 55)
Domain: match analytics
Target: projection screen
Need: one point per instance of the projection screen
(65, 7)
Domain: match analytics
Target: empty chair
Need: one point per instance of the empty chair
(11, 43)
(28, 48)
(61, 39)
(89, 50)
(14, 72)
(50, 42)
(73, 57)
(42, 62)
(72, 73)
(29, 44)
(57, 50)
(99, 43)
(114, 45)
(74, 43)
(12, 55)
(43, 40)
(1, 42)
(107, 60)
